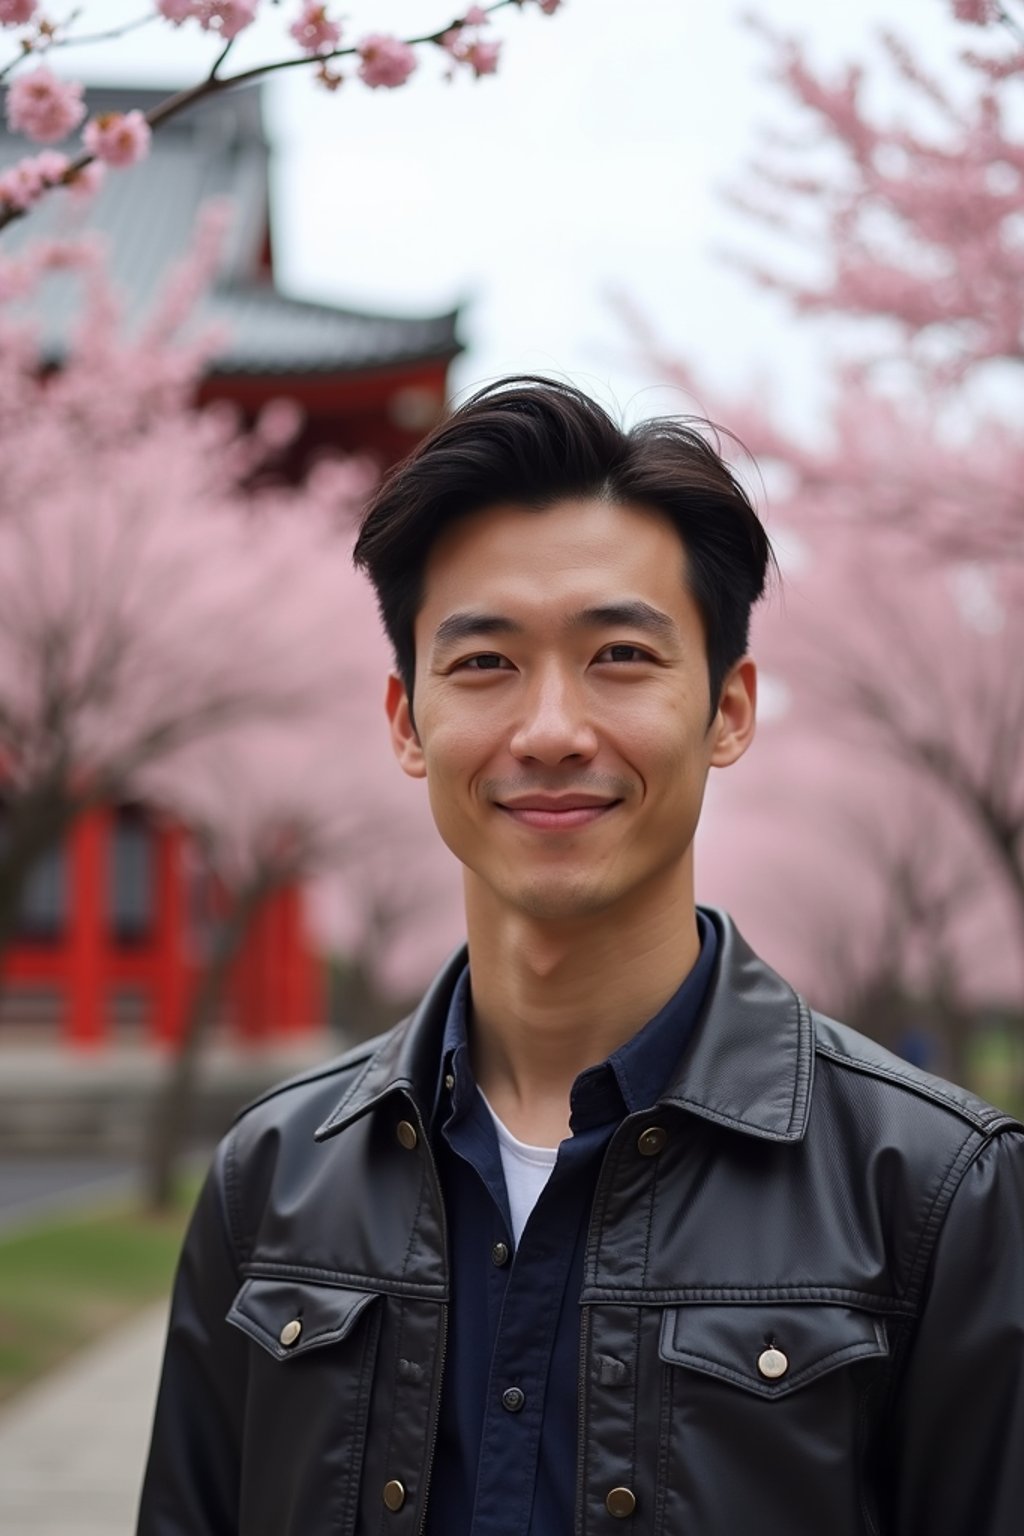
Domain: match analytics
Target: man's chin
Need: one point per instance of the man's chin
(556, 901)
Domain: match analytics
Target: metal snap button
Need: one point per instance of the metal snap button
(406, 1133)
(512, 1399)
(289, 1334)
(449, 1081)
(499, 1254)
(621, 1502)
(394, 1495)
(772, 1363)
(652, 1141)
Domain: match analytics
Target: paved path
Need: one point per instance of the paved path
(33, 1187)
(72, 1448)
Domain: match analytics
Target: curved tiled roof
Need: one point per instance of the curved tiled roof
(215, 150)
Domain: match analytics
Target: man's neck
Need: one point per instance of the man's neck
(552, 998)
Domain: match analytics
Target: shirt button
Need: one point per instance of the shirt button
(652, 1141)
(512, 1399)
(406, 1133)
(621, 1502)
(289, 1334)
(772, 1363)
(394, 1495)
(499, 1254)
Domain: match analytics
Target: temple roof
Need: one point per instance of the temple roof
(214, 150)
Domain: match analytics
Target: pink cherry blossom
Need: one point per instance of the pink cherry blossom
(51, 165)
(20, 275)
(20, 186)
(14, 13)
(24, 183)
(476, 16)
(482, 57)
(85, 183)
(279, 423)
(42, 107)
(118, 138)
(226, 17)
(978, 13)
(314, 31)
(386, 60)
(177, 11)
(549, 7)
(470, 49)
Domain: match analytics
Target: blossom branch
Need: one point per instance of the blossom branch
(47, 109)
(215, 71)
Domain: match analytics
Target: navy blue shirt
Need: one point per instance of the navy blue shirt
(505, 1462)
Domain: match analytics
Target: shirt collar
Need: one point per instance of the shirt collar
(456, 1085)
(630, 1079)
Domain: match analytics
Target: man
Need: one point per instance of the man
(614, 1233)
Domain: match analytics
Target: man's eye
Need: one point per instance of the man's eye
(623, 653)
(487, 661)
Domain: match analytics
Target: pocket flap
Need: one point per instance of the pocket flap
(770, 1349)
(291, 1317)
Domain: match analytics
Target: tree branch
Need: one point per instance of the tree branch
(180, 101)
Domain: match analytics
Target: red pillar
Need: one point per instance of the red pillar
(169, 975)
(301, 1002)
(85, 1014)
(275, 985)
(250, 984)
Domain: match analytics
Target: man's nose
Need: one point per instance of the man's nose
(555, 723)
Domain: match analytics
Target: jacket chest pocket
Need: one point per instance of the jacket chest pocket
(307, 1404)
(765, 1418)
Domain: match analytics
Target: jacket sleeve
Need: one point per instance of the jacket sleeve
(959, 1429)
(192, 1477)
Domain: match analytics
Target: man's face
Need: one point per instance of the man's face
(562, 706)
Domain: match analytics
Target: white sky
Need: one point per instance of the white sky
(595, 160)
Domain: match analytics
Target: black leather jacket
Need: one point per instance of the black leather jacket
(802, 1314)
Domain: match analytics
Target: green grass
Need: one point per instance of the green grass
(997, 1068)
(68, 1279)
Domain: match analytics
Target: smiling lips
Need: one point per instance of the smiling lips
(557, 813)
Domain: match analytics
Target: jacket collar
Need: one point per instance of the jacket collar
(751, 1062)
(749, 1065)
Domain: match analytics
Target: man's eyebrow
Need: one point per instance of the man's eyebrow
(467, 626)
(630, 614)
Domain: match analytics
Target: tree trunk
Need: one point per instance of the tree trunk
(172, 1109)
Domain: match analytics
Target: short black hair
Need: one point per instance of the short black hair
(533, 442)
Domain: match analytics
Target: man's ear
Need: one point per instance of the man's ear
(732, 729)
(404, 740)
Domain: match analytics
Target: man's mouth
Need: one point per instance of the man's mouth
(557, 813)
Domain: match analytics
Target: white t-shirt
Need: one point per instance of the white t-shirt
(527, 1169)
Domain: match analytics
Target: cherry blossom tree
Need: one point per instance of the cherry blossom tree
(872, 839)
(48, 108)
(916, 224)
(151, 574)
(889, 795)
